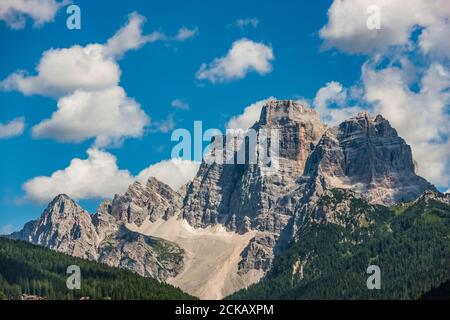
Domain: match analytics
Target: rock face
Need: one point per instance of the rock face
(364, 156)
(146, 202)
(240, 195)
(66, 227)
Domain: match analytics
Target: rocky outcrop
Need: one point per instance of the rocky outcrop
(147, 256)
(366, 155)
(66, 227)
(151, 201)
(242, 196)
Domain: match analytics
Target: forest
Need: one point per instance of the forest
(410, 244)
(26, 269)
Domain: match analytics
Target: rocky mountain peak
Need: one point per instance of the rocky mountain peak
(366, 154)
(64, 226)
(280, 112)
(147, 202)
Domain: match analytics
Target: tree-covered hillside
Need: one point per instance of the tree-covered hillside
(33, 270)
(410, 244)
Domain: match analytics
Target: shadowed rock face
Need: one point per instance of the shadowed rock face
(240, 195)
(366, 155)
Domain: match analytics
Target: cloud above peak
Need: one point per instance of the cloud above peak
(347, 27)
(99, 177)
(243, 57)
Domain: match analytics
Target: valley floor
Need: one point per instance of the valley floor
(212, 255)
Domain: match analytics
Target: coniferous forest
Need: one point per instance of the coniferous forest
(410, 243)
(40, 272)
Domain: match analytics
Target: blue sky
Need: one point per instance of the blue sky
(159, 72)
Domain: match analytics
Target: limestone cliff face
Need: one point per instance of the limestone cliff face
(240, 195)
(64, 226)
(366, 155)
(140, 203)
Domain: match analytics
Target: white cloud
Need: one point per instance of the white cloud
(347, 25)
(62, 71)
(109, 116)
(422, 117)
(130, 37)
(186, 33)
(85, 82)
(242, 23)
(249, 117)
(12, 128)
(180, 104)
(15, 12)
(175, 173)
(95, 177)
(243, 57)
(413, 96)
(98, 176)
(331, 102)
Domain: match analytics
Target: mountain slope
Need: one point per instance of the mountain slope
(65, 227)
(34, 270)
(410, 243)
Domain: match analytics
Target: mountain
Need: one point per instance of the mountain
(66, 227)
(223, 231)
(409, 242)
(37, 272)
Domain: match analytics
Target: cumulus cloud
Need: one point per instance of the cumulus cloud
(331, 102)
(175, 173)
(85, 81)
(347, 25)
(62, 71)
(180, 104)
(421, 117)
(413, 94)
(249, 117)
(243, 57)
(12, 128)
(98, 176)
(15, 12)
(186, 33)
(108, 115)
(95, 177)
